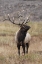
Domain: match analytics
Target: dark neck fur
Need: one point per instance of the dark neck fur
(21, 35)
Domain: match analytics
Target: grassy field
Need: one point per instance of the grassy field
(8, 49)
(7, 28)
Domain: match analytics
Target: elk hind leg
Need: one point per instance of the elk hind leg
(27, 46)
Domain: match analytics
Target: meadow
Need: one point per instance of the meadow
(8, 49)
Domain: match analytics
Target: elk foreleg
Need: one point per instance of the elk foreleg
(18, 46)
(23, 46)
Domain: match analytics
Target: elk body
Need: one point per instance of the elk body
(22, 38)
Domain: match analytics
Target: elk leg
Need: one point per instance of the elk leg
(27, 46)
(18, 49)
(23, 46)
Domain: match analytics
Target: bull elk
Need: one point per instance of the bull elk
(22, 38)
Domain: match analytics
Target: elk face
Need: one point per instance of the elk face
(25, 28)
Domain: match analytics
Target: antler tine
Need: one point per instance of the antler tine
(27, 20)
(10, 19)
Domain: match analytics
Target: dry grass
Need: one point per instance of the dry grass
(36, 28)
(7, 28)
(8, 49)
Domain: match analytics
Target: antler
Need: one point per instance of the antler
(27, 20)
(24, 22)
(10, 19)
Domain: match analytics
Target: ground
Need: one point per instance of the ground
(9, 54)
